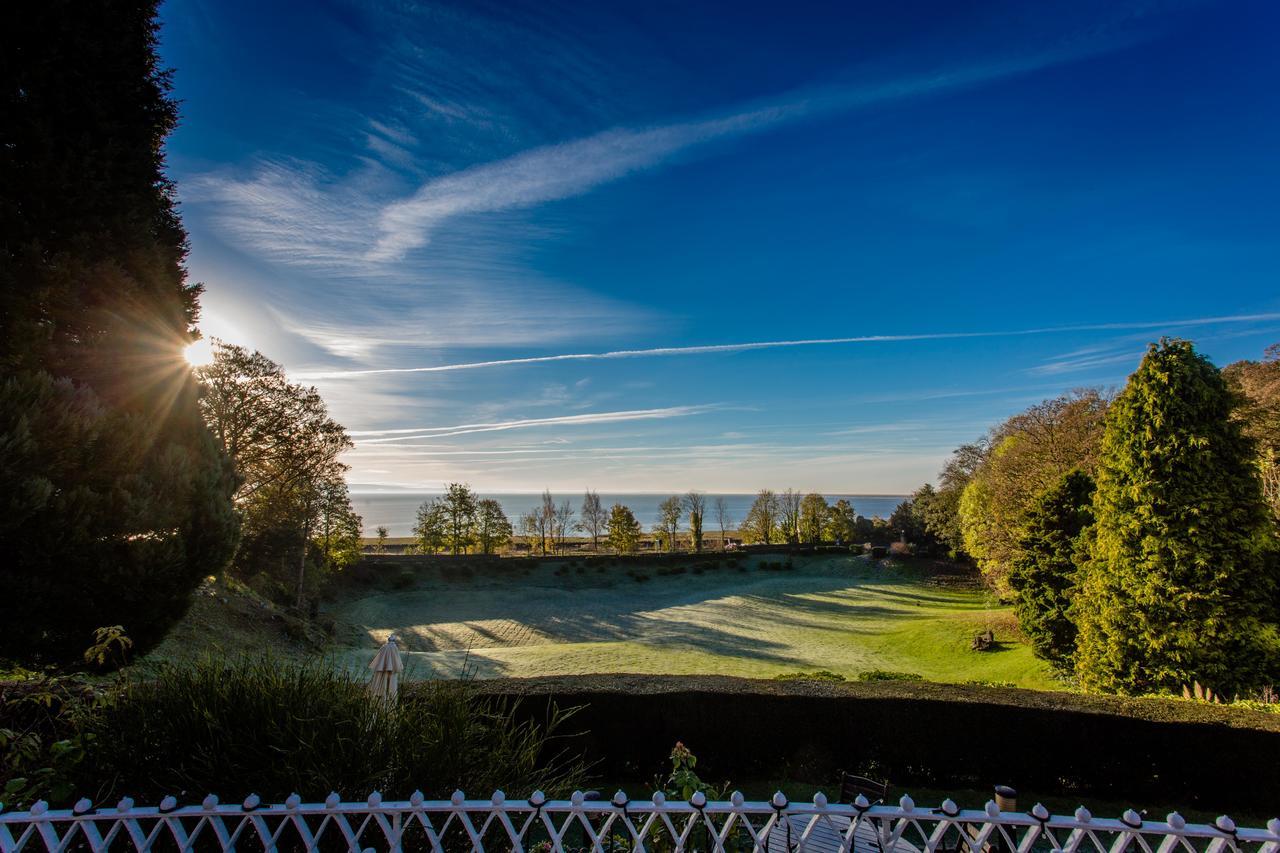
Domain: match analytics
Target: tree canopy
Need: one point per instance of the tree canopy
(116, 500)
(763, 519)
(1180, 585)
(1043, 574)
(285, 447)
(624, 529)
(1257, 386)
(1028, 453)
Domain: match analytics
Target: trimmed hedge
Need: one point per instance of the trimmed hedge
(937, 735)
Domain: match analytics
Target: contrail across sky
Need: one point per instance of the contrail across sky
(756, 345)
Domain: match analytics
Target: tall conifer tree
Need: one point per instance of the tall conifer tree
(1180, 587)
(114, 500)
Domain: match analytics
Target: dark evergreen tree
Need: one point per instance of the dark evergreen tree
(114, 500)
(1179, 588)
(1043, 575)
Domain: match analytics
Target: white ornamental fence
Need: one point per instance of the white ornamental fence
(618, 826)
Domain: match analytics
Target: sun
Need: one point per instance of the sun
(199, 353)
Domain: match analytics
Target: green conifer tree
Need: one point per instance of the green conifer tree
(1180, 584)
(114, 500)
(1043, 575)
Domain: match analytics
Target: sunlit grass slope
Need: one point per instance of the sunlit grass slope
(838, 613)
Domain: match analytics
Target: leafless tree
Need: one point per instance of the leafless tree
(593, 517)
(722, 518)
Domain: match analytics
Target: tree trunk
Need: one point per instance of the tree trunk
(302, 562)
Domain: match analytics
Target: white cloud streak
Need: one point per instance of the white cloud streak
(410, 434)
(656, 352)
(576, 167)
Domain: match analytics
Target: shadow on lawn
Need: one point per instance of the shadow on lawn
(828, 601)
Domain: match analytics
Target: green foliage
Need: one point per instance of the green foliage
(763, 522)
(492, 529)
(909, 519)
(888, 675)
(816, 675)
(459, 508)
(114, 501)
(623, 531)
(1043, 575)
(813, 518)
(841, 523)
(668, 527)
(110, 516)
(941, 510)
(274, 728)
(430, 529)
(1180, 586)
(297, 515)
(110, 648)
(1028, 453)
(39, 744)
(1257, 386)
(695, 503)
(683, 781)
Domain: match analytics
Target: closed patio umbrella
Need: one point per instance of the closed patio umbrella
(386, 667)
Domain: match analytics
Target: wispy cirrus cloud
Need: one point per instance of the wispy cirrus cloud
(365, 225)
(571, 168)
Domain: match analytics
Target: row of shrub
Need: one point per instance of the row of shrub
(273, 728)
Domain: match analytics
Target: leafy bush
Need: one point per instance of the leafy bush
(38, 742)
(272, 728)
(888, 675)
(817, 675)
(683, 782)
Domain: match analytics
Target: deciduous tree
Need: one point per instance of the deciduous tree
(593, 518)
(761, 523)
(562, 521)
(723, 520)
(789, 515)
(624, 530)
(813, 518)
(1029, 452)
(431, 528)
(1257, 385)
(459, 507)
(842, 523)
(668, 526)
(285, 449)
(695, 503)
(493, 529)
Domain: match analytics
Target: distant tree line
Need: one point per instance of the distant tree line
(1135, 534)
(460, 522)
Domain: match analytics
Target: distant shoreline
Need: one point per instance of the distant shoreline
(397, 510)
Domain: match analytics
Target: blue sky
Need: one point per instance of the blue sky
(946, 212)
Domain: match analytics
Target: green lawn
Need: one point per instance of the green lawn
(838, 613)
